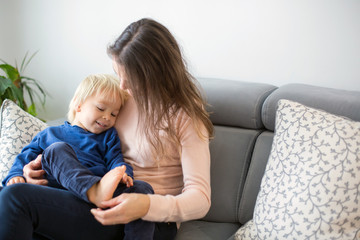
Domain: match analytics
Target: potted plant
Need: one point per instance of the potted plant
(14, 86)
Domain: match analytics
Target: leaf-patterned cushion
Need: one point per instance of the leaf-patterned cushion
(311, 185)
(17, 129)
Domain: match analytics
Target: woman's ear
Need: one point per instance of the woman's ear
(78, 108)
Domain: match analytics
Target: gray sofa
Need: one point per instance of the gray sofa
(244, 117)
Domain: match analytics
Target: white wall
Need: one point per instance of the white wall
(278, 42)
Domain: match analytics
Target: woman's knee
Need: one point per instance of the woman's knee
(15, 212)
(12, 197)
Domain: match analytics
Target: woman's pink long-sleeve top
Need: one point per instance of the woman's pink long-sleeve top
(181, 179)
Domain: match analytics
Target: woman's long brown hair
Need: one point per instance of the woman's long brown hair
(159, 81)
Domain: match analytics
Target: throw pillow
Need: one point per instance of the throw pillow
(311, 185)
(17, 129)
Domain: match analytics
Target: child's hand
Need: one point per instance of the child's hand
(15, 180)
(127, 180)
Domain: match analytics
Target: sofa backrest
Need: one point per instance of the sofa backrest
(236, 113)
(335, 101)
(243, 114)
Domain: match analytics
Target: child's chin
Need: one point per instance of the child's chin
(97, 131)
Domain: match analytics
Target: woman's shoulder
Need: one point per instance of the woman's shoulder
(190, 126)
(182, 119)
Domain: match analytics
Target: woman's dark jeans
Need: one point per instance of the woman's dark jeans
(36, 212)
(30, 211)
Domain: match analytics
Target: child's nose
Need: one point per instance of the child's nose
(106, 116)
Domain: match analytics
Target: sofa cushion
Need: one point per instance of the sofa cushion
(203, 230)
(256, 170)
(17, 129)
(230, 150)
(235, 103)
(335, 101)
(310, 188)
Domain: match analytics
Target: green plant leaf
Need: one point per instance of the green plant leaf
(32, 110)
(34, 89)
(10, 91)
(23, 64)
(5, 83)
(10, 71)
(14, 85)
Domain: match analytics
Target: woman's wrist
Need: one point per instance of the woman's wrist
(146, 204)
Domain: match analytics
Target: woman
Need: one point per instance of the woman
(165, 131)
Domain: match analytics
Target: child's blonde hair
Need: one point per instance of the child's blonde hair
(106, 84)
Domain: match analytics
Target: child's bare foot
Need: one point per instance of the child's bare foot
(104, 189)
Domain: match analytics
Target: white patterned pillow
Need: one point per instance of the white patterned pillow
(17, 129)
(311, 185)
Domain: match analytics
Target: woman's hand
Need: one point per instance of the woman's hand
(123, 209)
(33, 172)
